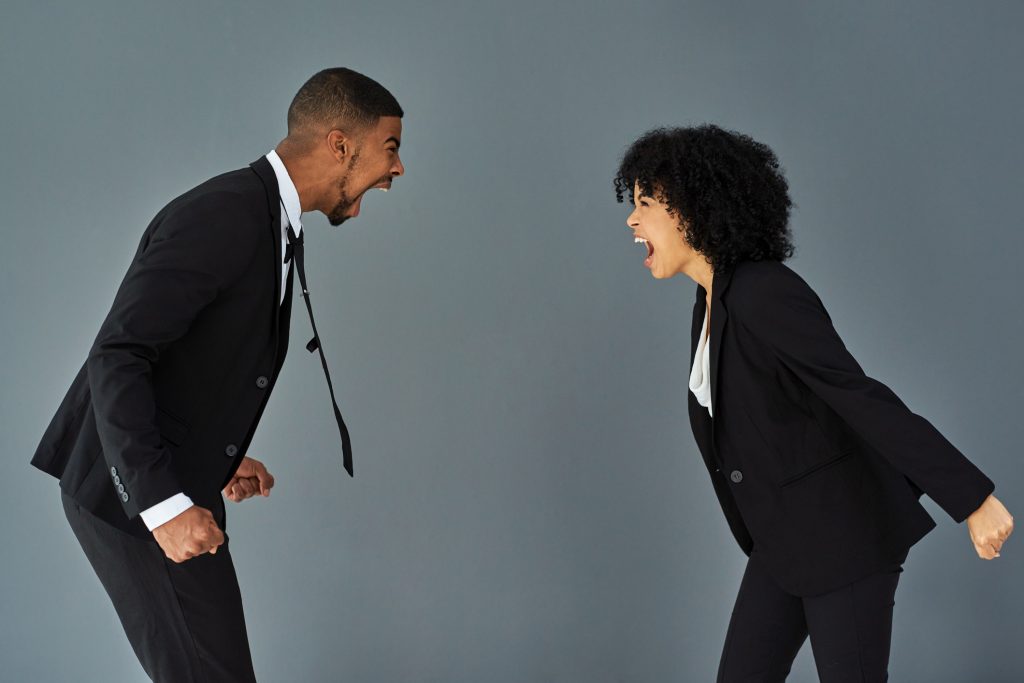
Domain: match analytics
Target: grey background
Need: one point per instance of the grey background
(529, 502)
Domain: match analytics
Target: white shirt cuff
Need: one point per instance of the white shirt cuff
(165, 511)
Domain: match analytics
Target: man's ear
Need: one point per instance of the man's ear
(339, 144)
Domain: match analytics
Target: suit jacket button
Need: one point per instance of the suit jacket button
(124, 497)
(120, 488)
(231, 450)
(117, 480)
(113, 471)
(736, 476)
(262, 382)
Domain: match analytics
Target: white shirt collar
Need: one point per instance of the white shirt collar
(289, 195)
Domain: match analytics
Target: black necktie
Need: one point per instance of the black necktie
(295, 250)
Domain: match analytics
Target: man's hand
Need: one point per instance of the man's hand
(990, 525)
(250, 478)
(189, 535)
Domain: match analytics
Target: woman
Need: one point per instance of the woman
(818, 467)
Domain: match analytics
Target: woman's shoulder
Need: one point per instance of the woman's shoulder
(759, 286)
(755, 275)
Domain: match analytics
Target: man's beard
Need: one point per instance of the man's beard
(337, 216)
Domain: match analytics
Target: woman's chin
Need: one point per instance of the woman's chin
(656, 272)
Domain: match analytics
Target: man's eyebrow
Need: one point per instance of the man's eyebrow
(398, 143)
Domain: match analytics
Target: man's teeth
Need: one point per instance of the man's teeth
(639, 240)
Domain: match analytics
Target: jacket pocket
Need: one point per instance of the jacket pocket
(837, 458)
(171, 429)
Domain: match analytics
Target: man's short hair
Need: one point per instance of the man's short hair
(340, 98)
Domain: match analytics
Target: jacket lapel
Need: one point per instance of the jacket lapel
(719, 317)
(265, 172)
(704, 426)
(700, 421)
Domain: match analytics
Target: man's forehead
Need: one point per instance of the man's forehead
(388, 127)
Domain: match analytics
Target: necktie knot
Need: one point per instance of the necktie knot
(294, 242)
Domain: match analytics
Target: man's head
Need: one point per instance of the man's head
(344, 131)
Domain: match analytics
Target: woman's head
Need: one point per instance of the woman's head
(705, 193)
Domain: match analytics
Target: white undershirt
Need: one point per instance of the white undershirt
(700, 374)
(291, 213)
(291, 210)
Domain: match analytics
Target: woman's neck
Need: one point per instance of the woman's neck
(701, 272)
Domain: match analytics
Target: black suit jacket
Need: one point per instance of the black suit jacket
(184, 362)
(818, 467)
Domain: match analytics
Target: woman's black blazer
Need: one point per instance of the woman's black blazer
(817, 466)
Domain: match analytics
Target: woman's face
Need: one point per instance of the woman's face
(667, 250)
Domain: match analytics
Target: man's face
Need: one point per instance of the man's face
(373, 163)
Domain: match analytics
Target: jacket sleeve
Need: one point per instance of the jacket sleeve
(192, 254)
(785, 313)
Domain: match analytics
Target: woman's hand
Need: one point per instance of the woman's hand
(990, 525)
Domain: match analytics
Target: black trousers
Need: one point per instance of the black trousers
(850, 629)
(184, 621)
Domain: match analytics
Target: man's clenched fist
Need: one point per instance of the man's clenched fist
(250, 478)
(189, 535)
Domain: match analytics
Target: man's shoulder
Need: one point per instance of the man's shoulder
(235, 192)
(230, 208)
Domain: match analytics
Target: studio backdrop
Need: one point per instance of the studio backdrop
(529, 504)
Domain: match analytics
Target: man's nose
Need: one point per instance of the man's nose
(398, 169)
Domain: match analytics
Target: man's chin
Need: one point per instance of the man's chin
(341, 213)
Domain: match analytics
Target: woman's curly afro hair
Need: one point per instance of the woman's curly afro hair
(726, 188)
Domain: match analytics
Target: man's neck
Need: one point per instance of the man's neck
(299, 172)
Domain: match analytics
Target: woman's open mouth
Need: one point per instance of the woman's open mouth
(649, 247)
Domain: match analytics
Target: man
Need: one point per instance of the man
(155, 426)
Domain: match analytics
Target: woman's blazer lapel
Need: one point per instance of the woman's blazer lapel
(704, 427)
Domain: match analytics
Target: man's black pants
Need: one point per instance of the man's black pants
(184, 621)
(850, 629)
